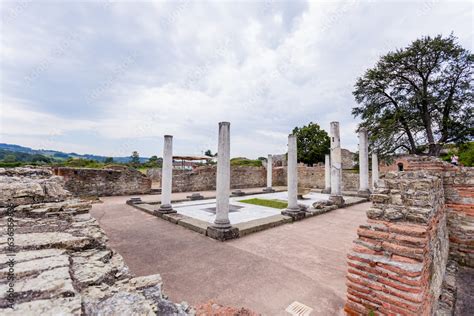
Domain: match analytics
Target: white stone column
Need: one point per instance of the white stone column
(292, 173)
(269, 173)
(336, 165)
(223, 177)
(327, 174)
(363, 162)
(167, 175)
(375, 169)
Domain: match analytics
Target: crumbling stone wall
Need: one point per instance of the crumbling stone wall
(204, 178)
(313, 177)
(458, 183)
(104, 182)
(60, 259)
(398, 262)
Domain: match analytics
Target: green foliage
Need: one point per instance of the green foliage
(466, 154)
(10, 164)
(268, 203)
(135, 158)
(419, 97)
(242, 161)
(313, 143)
(209, 153)
(81, 163)
(153, 162)
(9, 157)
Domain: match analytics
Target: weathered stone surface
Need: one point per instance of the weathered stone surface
(17, 187)
(398, 263)
(204, 178)
(58, 306)
(104, 182)
(62, 263)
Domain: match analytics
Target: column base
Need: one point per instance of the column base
(268, 190)
(134, 200)
(165, 209)
(337, 200)
(222, 234)
(296, 214)
(238, 193)
(364, 193)
(326, 191)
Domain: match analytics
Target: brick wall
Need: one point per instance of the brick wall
(398, 261)
(458, 185)
(104, 182)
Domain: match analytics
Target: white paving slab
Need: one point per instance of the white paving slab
(247, 212)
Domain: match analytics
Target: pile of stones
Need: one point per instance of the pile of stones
(55, 258)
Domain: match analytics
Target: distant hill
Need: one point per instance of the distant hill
(56, 155)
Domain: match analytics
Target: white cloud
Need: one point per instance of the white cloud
(265, 67)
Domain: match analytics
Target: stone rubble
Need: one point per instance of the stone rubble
(63, 265)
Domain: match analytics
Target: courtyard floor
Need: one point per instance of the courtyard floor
(266, 271)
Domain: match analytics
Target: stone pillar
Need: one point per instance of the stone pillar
(375, 170)
(336, 165)
(222, 229)
(327, 174)
(269, 174)
(293, 209)
(167, 176)
(363, 163)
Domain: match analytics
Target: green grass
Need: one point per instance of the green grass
(268, 203)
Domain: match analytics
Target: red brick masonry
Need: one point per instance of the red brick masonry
(399, 259)
(458, 183)
(397, 263)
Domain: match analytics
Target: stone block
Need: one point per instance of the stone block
(295, 214)
(222, 234)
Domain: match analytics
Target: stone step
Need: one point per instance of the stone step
(262, 224)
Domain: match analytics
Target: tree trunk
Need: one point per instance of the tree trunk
(435, 149)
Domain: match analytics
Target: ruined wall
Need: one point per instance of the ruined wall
(204, 178)
(57, 260)
(313, 177)
(458, 185)
(399, 259)
(104, 182)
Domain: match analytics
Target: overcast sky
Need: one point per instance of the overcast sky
(110, 77)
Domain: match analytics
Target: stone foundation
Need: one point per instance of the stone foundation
(62, 264)
(398, 262)
(104, 182)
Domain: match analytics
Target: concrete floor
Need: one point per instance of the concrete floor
(266, 271)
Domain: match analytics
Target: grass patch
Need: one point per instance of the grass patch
(279, 204)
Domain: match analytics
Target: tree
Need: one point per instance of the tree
(312, 142)
(153, 159)
(9, 158)
(418, 98)
(209, 153)
(135, 158)
(109, 160)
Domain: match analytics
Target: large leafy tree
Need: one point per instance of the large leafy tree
(312, 142)
(419, 97)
